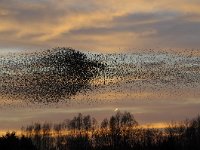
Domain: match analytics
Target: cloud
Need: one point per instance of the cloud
(102, 24)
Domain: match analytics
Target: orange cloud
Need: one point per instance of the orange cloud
(43, 23)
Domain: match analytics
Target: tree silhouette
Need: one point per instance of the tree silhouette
(87, 123)
(128, 120)
(104, 123)
(127, 135)
(11, 142)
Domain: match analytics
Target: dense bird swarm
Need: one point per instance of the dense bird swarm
(57, 74)
(48, 76)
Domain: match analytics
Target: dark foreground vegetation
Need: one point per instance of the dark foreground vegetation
(120, 132)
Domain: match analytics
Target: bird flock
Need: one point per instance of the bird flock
(58, 74)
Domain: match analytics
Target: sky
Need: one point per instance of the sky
(150, 106)
(100, 26)
(105, 26)
(155, 88)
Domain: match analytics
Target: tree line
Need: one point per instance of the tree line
(121, 131)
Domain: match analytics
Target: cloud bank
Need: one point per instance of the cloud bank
(106, 25)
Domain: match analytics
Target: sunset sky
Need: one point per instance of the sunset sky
(107, 26)
(99, 25)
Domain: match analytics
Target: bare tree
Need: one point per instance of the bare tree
(87, 123)
(46, 129)
(104, 123)
(128, 120)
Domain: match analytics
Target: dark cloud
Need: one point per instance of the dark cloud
(163, 23)
(50, 23)
(170, 29)
(43, 10)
